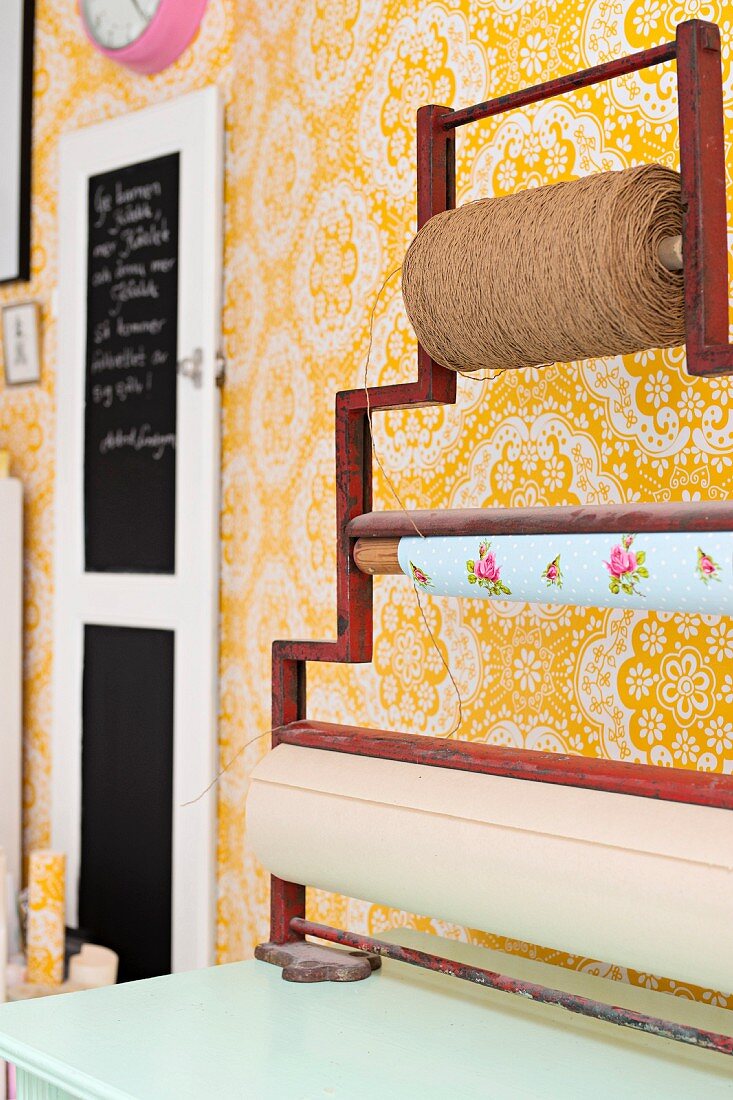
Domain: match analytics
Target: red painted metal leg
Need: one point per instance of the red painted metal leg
(702, 167)
(287, 901)
(436, 163)
(353, 493)
(288, 690)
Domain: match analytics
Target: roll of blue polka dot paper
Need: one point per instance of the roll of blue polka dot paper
(656, 572)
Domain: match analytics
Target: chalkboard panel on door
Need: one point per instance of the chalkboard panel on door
(127, 795)
(131, 354)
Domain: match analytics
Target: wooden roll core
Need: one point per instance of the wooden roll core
(670, 253)
(377, 556)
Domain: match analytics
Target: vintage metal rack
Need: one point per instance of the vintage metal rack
(699, 79)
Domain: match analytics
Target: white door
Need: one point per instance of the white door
(185, 599)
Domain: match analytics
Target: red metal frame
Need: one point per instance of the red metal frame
(582, 519)
(613, 776)
(697, 50)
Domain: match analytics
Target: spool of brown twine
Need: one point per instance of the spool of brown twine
(553, 274)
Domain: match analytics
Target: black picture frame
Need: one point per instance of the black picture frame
(22, 272)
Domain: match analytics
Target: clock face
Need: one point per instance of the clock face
(115, 24)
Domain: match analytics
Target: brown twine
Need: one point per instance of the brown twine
(482, 377)
(225, 768)
(446, 666)
(553, 274)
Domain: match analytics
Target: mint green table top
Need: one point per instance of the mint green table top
(239, 1031)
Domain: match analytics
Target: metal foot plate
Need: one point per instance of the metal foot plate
(310, 962)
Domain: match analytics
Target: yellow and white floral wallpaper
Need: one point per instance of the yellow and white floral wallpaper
(321, 98)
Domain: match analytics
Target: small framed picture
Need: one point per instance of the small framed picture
(21, 343)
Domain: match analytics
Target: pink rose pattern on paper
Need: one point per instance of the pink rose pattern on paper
(419, 578)
(626, 568)
(706, 569)
(553, 574)
(484, 572)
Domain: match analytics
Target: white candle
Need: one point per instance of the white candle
(94, 967)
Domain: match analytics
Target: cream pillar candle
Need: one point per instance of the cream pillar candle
(93, 967)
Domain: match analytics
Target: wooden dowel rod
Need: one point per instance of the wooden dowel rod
(670, 253)
(697, 515)
(377, 556)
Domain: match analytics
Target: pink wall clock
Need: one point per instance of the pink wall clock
(143, 35)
